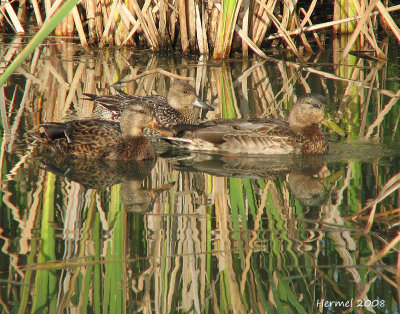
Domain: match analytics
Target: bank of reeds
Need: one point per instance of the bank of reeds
(211, 27)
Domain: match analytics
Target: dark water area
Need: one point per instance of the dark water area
(195, 231)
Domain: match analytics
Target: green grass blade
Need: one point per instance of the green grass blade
(47, 28)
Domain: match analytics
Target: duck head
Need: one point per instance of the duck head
(309, 110)
(183, 95)
(135, 118)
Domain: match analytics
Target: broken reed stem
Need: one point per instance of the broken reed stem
(329, 24)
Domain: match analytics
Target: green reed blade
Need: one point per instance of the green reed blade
(113, 296)
(46, 29)
(45, 280)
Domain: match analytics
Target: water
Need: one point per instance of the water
(198, 232)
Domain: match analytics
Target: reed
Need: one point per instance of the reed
(259, 251)
(208, 28)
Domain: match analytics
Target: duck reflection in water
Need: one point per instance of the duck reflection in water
(307, 176)
(101, 174)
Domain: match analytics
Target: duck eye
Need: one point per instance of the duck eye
(317, 105)
(141, 111)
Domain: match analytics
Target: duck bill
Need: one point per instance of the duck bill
(332, 125)
(156, 127)
(199, 103)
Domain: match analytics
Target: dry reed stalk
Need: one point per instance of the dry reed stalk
(22, 7)
(79, 28)
(364, 109)
(258, 16)
(183, 26)
(36, 10)
(212, 26)
(128, 19)
(204, 23)
(135, 28)
(200, 38)
(329, 24)
(173, 18)
(47, 8)
(381, 115)
(384, 251)
(110, 21)
(226, 27)
(73, 88)
(151, 20)
(262, 22)
(10, 53)
(245, 27)
(290, 21)
(303, 37)
(91, 18)
(123, 21)
(154, 71)
(344, 9)
(282, 30)
(385, 13)
(359, 27)
(306, 20)
(191, 22)
(13, 17)
(147, 25)
(162, 25)
(107, 12)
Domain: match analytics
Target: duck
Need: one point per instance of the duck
(100, 139)
(181, 106)
(300, 134)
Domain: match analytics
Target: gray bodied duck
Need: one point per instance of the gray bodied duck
(301, 134)
(96, 138)
(181, 106)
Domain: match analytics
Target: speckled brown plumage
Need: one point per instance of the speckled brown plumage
(180, 107)
(300, 135)
(99, 138)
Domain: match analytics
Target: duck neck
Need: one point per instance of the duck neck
(314, 141)
(131, 132)
(190, 115)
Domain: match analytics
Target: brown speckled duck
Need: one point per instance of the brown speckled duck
(299, 135)
(180, 107)
(97, 138)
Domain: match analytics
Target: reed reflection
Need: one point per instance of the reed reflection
(232, 234)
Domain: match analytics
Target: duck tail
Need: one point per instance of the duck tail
(177, 140)
(90, 96)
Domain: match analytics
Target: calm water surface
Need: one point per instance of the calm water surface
(199, 232)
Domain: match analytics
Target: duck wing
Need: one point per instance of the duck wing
(117, 103)
(238, 136)
(79, 136)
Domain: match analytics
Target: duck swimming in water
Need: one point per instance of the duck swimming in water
(180, 107)
(299, 135)
(97, 138)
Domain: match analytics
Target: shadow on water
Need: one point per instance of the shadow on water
(195, 231)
